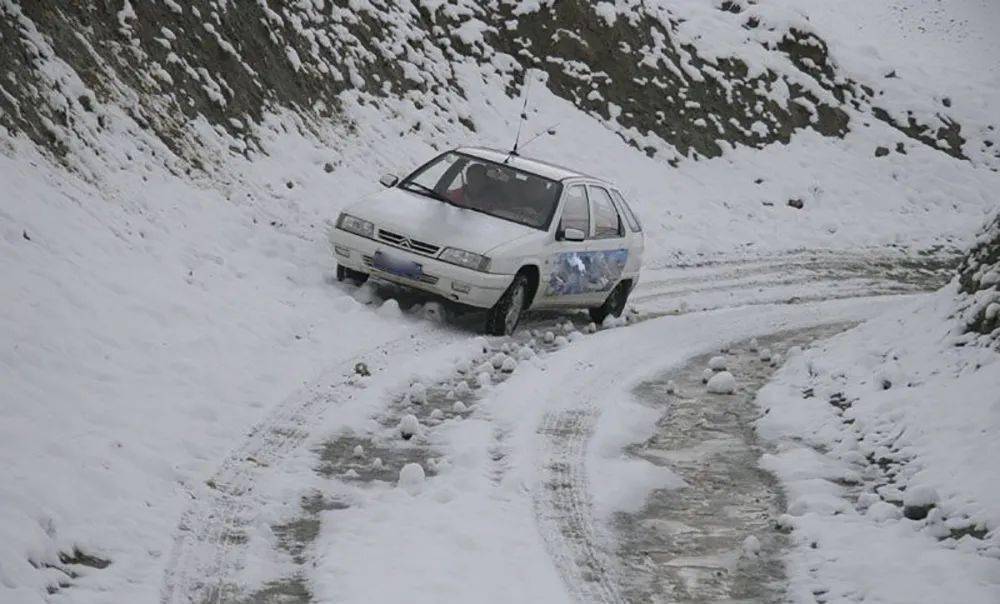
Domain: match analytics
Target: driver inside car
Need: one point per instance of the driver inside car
(476, 191)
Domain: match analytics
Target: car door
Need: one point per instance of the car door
(608, 248)
(634, 235)
(564, 270)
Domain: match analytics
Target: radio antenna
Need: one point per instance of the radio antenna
(551, 131)
(524, 116)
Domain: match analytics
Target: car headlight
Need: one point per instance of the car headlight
(353, 224)
(476, 262)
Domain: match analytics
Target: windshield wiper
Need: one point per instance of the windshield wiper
(425, 190)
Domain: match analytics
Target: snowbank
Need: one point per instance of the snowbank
(887, 445)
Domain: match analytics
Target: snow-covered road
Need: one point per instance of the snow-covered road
(525, 466)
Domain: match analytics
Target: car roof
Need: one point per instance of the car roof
(527, 164)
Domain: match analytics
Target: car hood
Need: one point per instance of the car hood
(436, 222)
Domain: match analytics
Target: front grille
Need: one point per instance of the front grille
(401, 241)
(424, 278)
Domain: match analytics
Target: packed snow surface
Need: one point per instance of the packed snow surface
(153, 312)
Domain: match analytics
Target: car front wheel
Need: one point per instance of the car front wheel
(348, 274)
(613, 306)
(502, 319)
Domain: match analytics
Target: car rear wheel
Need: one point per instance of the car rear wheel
(502, 319)
(613, 306)
(349, 274)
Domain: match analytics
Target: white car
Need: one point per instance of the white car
(494, 230)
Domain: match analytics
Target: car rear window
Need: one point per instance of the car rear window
(630, 217)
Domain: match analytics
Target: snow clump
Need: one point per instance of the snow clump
(434, 312)
(754, 345)
(463, 367)
(411, 478)
(549, 337)
(359, 451)
(751, 547)
(463, 389)
(706, 375)
(590, 328)
(561, 341)
(671, 387)
(722, 383)
(498, 359)
(484, 379)
(417, 393)
(390, 309)
(408, 426)
(765, 354)
(717, 363)
(509, 365)
(437, 414)
(882, 511)
(459, 407)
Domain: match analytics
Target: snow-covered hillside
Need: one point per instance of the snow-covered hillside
(169, 171)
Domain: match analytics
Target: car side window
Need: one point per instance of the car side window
(607, 223)
(630, 217)
(576, 210)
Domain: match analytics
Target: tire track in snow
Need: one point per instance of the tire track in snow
(563, 511)
(591, 571)
(206, 551)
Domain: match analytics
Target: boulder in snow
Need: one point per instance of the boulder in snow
(918, 501)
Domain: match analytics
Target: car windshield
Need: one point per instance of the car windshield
(488, 187)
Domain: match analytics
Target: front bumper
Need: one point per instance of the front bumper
(441, 278)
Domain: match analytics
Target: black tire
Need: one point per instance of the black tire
(502, 319)
(349, 274)
(614, 305)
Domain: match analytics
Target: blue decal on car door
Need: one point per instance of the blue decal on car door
(585, 272)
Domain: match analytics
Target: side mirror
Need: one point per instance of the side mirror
(572, 234)
(388, 180)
